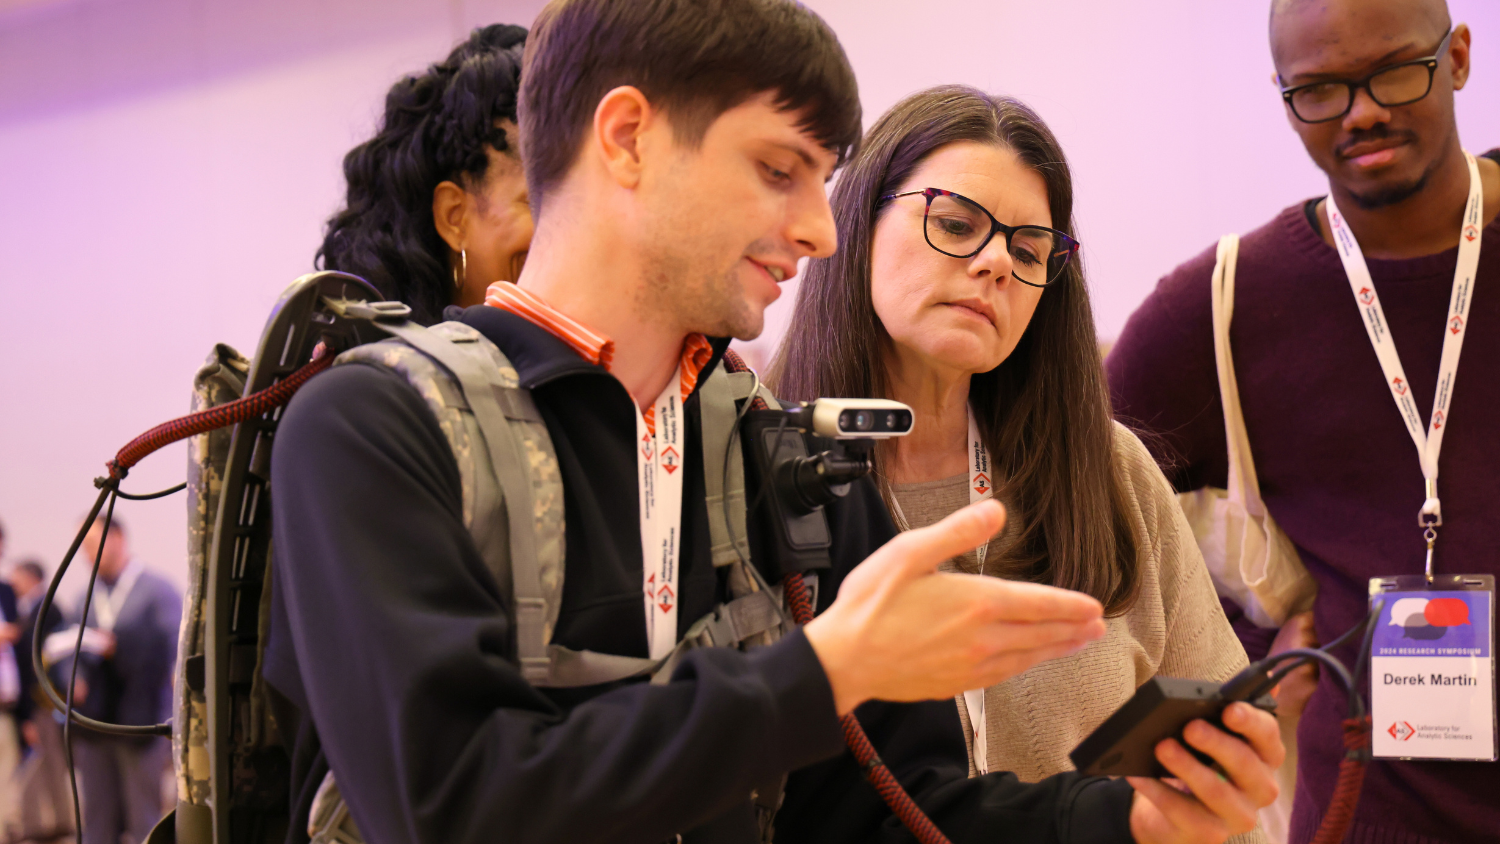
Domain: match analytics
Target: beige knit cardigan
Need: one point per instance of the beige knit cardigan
(1176, 627)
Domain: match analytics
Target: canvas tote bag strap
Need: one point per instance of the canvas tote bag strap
(1244, 486)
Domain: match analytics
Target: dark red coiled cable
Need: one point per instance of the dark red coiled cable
(234, 412)
(1351, 779)
(800, 603)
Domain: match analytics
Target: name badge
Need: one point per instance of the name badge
(1432, 670)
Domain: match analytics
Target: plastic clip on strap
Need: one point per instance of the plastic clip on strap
(1430, 518)
(800, 603)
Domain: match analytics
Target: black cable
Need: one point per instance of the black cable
(152, 495)
(1306, 655)
(83, 618)
(734, 435)
(1299, 657)
(1302, 656)
(1345, 636)
(1356, 703)
(770, 477)
(107, 486)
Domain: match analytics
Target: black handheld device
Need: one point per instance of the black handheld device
(1125, 744)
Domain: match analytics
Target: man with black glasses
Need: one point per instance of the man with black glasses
(1351, 315)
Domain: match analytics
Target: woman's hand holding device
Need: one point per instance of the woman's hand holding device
(1207, 806)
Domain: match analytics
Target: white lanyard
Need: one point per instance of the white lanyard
(981, 486)
(108, 603)
(1430, 442)
(659, 479)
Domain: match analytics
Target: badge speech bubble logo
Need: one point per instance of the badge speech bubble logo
(1427, 619)
(1446, 612)
(1409, 612)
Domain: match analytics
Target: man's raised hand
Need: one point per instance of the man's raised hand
(902, 631)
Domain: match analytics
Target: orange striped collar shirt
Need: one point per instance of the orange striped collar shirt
(589, 344)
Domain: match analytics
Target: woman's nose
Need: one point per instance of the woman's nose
(993, 261)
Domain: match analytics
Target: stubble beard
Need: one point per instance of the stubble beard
(1389, 195)
(697, 297)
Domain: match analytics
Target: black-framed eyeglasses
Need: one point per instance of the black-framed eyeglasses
(961, 228)
(1396, 85)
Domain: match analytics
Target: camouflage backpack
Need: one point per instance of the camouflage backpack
(232, 769)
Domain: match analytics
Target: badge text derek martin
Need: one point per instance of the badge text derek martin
(1430, 680)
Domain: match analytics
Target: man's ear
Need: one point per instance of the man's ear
(621, 123)
(451, 206)
(1458, 48)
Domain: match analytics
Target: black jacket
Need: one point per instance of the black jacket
(134, 686)
(389, 643)
(29, 691)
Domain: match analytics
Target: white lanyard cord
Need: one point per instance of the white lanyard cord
(1429, 442)
(659, 481)
(981, 481)
(107, 604)
(981, 487)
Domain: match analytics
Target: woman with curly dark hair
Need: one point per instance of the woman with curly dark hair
(437, 206)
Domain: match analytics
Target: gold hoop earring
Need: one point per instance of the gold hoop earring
(461, 271)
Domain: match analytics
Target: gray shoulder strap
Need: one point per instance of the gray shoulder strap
(525, 471)
(725, 485)
(509, 470)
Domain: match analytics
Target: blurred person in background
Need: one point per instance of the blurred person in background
(29, 580)
(437, 208)
(10, 687)
(44, 810)
(1369, 87)
(124, 677)
(957, 290)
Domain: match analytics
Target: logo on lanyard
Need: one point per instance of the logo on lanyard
(660, 489)
(1429, 442)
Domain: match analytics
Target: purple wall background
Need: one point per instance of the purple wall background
(166, 167)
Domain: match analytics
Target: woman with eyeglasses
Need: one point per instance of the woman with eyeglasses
(957, 289)
(437, 208)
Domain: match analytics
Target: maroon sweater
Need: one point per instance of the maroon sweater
(1338, 470)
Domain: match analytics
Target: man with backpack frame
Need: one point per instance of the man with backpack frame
(676, 153)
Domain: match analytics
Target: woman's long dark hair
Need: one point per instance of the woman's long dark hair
(438, 126)
(1044, 413)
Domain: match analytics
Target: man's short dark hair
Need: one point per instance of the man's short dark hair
(695, 59)
(33, 568)
(115, 525)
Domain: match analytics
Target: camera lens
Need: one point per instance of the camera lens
(890, 421)
(864, 420)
